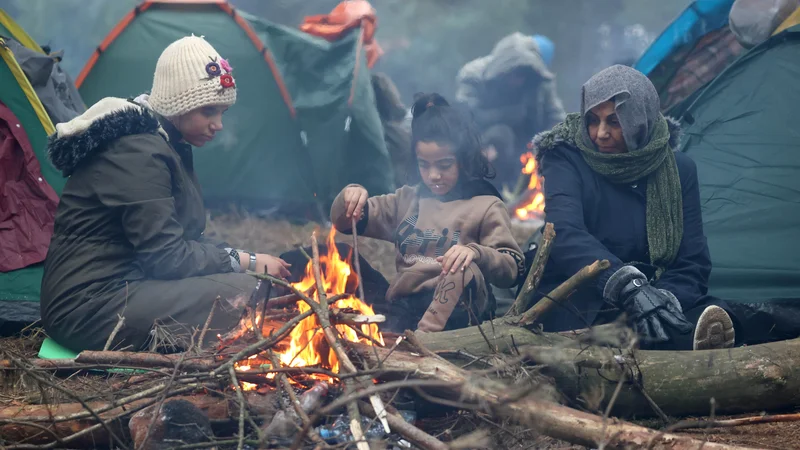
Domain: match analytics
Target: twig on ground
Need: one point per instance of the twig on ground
(238, 389)
(727, 423)
(163, 396)
(563, 291)
(420, 438)
(207, 324)
(535, 273)
(356, 261)
(133, 409)
(71, 395)
(264, 302)
(366, 392)
(287, 387)
(120, 323)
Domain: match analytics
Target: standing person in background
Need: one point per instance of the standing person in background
(512, 95)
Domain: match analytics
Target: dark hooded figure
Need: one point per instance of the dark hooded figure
(512, 95)
(616, 190)
(396, 133)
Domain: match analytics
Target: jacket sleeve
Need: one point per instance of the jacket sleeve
(687, 277)
(574, 247)
(135, 180)
(499, 256)
(381, 217)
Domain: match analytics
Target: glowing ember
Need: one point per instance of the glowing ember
(532, 204)
(306, 345)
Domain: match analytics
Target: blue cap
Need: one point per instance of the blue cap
(546, 48)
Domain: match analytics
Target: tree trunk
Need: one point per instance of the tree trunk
(743, 379)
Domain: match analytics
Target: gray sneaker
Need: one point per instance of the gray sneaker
(714, 330)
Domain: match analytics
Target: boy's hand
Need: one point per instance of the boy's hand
(355, 197)
(457, 257)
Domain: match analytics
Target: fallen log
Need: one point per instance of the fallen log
(681, 383)
(43, 424)
(549, 418)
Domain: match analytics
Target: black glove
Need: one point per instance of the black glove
(651, 310)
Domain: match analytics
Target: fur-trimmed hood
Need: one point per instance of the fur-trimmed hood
(90, 133)
(550, 139)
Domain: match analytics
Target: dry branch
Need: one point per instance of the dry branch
(535, 273)
(413, 434)
(563, 291)
(17, 422)
(549, 418)
(323, 315)
(356, 261)
(755, 420)
(117, 359)
(356, 319)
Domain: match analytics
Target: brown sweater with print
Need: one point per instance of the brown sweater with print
(424, 227)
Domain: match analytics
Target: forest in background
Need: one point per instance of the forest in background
(426, 41)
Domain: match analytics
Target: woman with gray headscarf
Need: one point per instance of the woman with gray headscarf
(615, 189)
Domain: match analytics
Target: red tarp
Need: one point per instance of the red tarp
(346, 16)
(27, 203)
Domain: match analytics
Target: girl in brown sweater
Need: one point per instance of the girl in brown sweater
(451, 230)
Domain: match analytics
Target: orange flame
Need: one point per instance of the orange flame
(532, 204)
(306, 345)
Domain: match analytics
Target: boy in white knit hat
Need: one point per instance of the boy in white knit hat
(128, 238)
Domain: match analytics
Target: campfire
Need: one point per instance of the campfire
(531, 203)
(306, 345)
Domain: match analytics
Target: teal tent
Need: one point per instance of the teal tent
(741, 130)
(305, 124)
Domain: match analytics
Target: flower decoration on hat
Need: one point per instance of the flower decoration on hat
(226, 81)
(226, 66)
(221, 68)
(213, 69)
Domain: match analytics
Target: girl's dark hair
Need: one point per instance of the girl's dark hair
(434, 120)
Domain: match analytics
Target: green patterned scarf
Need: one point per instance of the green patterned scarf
(656, 161)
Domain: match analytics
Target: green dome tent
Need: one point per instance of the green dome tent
(29, 185)
(304, 125)
(741, 130)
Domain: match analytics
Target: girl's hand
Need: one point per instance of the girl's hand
(355, 197)
(458, 256)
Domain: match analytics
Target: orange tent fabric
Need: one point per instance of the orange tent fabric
(346, 16)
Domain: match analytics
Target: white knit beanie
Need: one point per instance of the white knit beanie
(190, 74)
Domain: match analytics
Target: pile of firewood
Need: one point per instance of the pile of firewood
(599, 376)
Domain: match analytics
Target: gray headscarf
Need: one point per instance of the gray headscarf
(636, 102)
(650, 153)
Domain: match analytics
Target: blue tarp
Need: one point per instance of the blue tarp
(699, 18)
